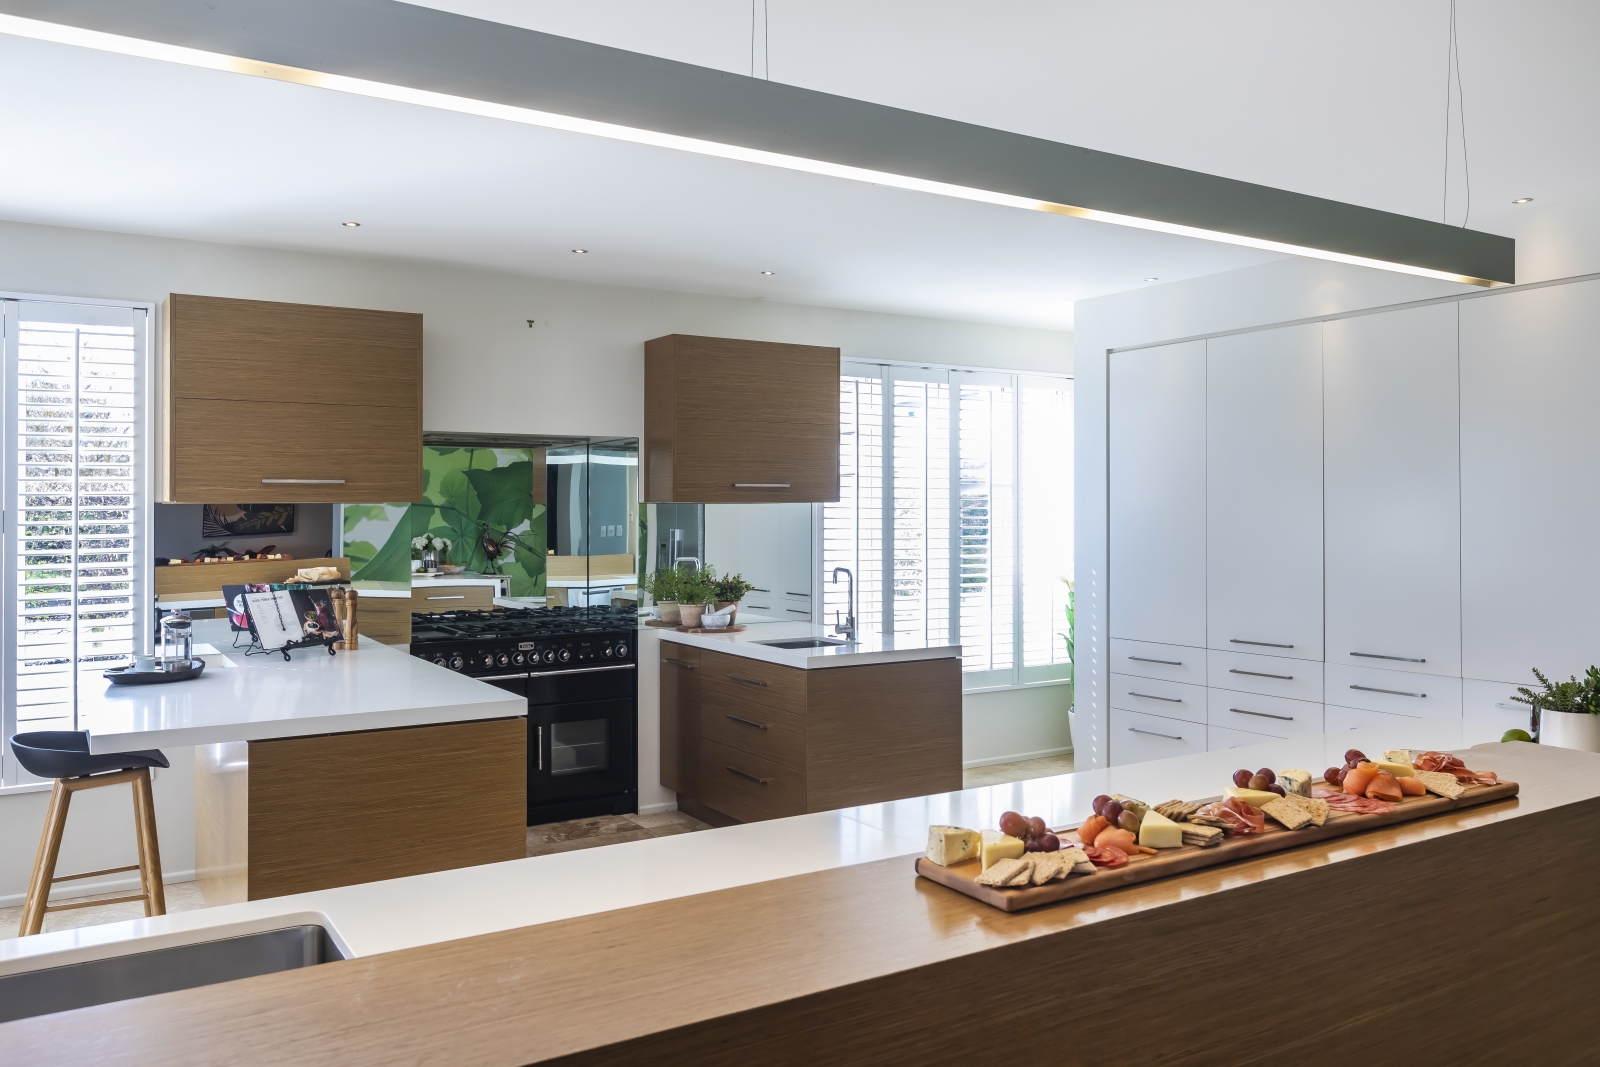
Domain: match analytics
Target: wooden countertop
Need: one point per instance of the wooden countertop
(1468, 933)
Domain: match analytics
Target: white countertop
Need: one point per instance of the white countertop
(865, 649)
(250, 698)
(432, 908)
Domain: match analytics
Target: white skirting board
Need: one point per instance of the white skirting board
(990, 761)
(128, 883)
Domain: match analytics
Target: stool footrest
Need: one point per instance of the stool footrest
(91, 874)
(94, 903)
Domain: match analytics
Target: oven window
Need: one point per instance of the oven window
(579, 747)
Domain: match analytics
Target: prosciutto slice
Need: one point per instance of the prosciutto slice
(1443, 761)
(1240, 816)
(1355, 805)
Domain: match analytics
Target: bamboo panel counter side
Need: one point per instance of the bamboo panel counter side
(1480, 920)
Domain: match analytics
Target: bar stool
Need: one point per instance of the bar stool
(64, 755)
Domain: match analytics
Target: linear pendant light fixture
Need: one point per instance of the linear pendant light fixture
(419, 56)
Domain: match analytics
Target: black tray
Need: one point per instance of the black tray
(129, 676)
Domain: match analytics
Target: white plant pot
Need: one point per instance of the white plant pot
(1564, 729)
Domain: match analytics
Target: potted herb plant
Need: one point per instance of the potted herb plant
(695, 592)
(729, 590)
(1567, 713)
(431, 551)
(665, 588)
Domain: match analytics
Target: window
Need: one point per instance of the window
(75, 506)
(955, 515)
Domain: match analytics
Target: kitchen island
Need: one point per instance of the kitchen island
(748, 944)
(324, 770)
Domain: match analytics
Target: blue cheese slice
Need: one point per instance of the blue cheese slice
(950, 845)
(1295, 781)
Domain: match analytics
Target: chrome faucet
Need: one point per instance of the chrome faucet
(848, 627)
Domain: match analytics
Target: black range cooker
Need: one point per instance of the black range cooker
(577, 668)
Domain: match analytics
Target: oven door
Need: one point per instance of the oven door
(582, 751)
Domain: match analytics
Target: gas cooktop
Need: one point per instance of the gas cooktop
(525, 639)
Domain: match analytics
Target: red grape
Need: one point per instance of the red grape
(1045, 842)
(1112, 812)
(1342, 772)
(1258, 782)
(1036, 827)
(1278, 789)
(1331, 775)
(1267, 773)
(1129, 820)
(1013, 824)
(1241, 778)
(1353, 756)
(1100, 803)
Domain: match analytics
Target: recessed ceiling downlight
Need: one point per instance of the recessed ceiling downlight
(1523, 200)
(768, 273)
(1152, 279)
(352, 225)
(580, 251)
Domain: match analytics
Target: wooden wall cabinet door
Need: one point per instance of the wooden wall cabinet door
(729, 421)
(274, 402)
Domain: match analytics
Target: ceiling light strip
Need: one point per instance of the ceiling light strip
(193, 57)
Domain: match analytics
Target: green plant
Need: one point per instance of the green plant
(730, 588)
(698, 586)
(664, 586)
(1574, 697)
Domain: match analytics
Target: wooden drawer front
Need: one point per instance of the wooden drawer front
(1257, 714)
(755, 728)
(747, 787)
(1144, 659)
(739, 679)
(1426, 696)
(1136, 738)
(223, 449)
(384, 619)
(1171, 700)
(1219, 738)
(451, 597)
(1298, 679)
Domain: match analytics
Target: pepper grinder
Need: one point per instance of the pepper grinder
(352, 629)
(340, 612)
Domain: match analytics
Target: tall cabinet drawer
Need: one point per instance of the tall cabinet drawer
(1422, 696)
(1146, 659)
(738, 679)
(1136, 738)
(1488, 711)
(1257, 714)
(748, 787)
(1153, 696)
(1277, 676)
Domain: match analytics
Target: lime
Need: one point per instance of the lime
(1516, 735)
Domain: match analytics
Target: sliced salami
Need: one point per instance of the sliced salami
(1355, 805)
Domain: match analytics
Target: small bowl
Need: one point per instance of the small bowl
(451, 568)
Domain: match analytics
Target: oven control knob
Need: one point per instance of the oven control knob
(518, 658)
(456, 662)
(549, 655)
(488, 659)
(622, 650)
(502, 660)
(608, 652)
(565, 655)
(438, 659)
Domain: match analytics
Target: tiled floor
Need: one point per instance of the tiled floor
(181, 896)
(1001, 773)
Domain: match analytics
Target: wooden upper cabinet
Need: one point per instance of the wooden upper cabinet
(268, 402)
(728, 421)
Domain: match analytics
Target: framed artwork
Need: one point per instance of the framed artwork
(247, 520)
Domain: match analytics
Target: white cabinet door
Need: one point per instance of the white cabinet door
(1264, 492)
(1157, 480)
(1488, 711)
(1136, 738)
(1392, 490)
(1530, 481)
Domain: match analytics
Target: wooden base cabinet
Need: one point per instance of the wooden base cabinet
(752, 740)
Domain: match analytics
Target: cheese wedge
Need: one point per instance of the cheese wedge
(1399, 755)
(1158, 831)
(1257, 797)
(1295, 781)
(949, 845)
(1399, 770)
(998, 846)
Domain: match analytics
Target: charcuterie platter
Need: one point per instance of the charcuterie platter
(1025, 864)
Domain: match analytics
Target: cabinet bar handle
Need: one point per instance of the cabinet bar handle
(1260, 674)
(1512, 707)
(806, 595)
(302, 481)
(680, 663)
(747, 722)
(1167, 662)
(742, 774)
(1263, 644)
(1152, 733)
(1263, 714)
(1148, 696)
(541, 748)
(1397, 659)
(759, 607)
(761, 485)
(1392, 692)
(746, 681)
(797, 611)
(753, 589)
(461, 596)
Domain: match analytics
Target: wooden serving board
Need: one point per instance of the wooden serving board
(709, 630)
(963, 876)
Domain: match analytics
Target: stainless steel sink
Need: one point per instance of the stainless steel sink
(162, 970)
(804, 642)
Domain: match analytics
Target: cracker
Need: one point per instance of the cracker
(1001, 872)
(1204, 836)
(1048, 866)
(1179, 810)
(1077, 861)
(1440, 782)
(1285, 811)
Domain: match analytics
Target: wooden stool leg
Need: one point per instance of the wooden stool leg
(144, 820)
(44, 862)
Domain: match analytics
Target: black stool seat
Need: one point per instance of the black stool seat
(65, 754)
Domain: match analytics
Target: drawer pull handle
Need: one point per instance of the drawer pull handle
(541, 748)
(742, 774)
(1263, 714)
(302, 481)
(1512, 707)
(1261, 674)
(797, 611)
(1391, 692)
(759, 607)
(747, 722)
(746, 681)
(1262, 644)
(806, 595)
(1149, 696)
(681, 663)
(761, 485)
(1152, 733)
(1397, 659)
(1164, 662)
(461, 596)
(753, 589)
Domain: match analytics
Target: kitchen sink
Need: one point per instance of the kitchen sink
(805, 642)
(162, 970)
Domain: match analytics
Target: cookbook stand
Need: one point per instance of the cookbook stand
(256, 647)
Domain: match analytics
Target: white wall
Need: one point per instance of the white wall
(1014, 724)
(578, 370)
